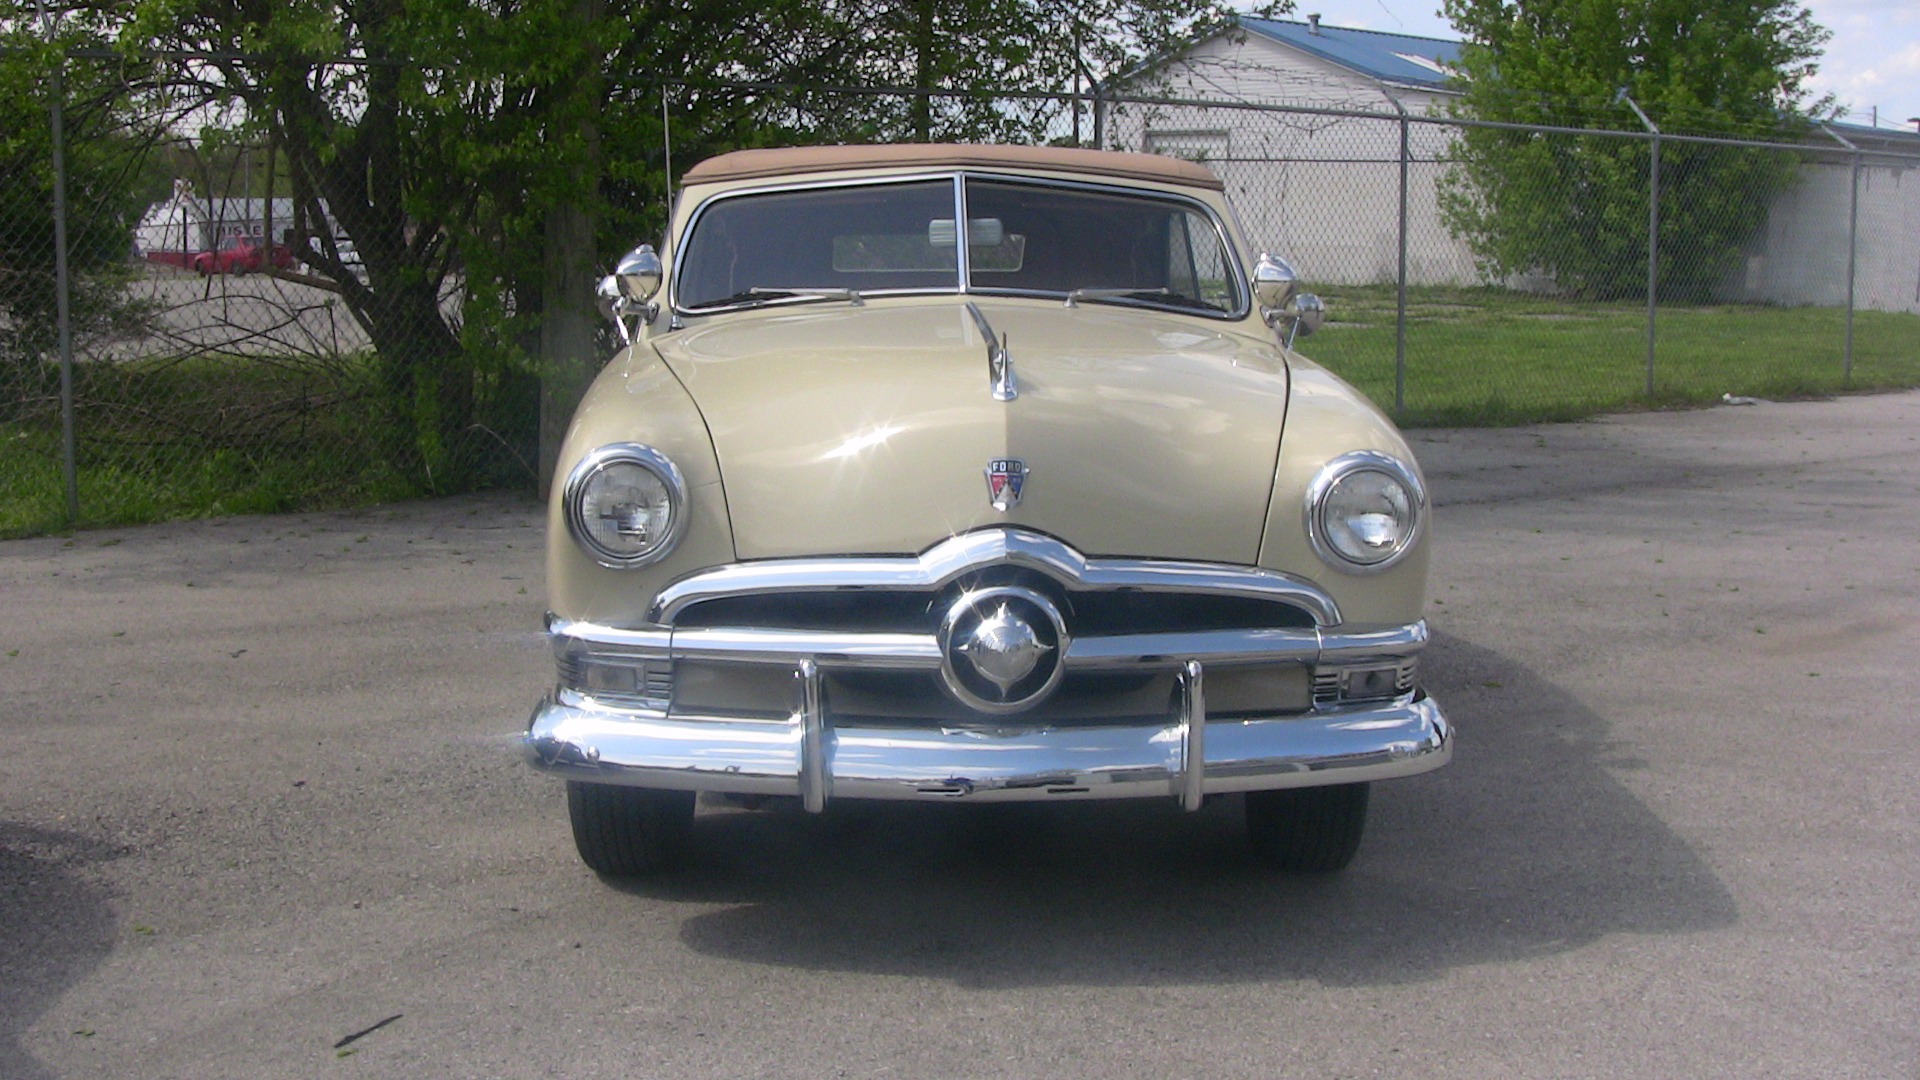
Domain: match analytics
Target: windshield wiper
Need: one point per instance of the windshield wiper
(1077, 295)
(760, 294)
(1181, 300)
(826, 292)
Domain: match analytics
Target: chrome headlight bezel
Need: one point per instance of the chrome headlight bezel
(598, 462)
(1348, 465)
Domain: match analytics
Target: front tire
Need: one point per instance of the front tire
(1313, 830)
(627, 831)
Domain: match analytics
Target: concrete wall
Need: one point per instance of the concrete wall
(1801, 255)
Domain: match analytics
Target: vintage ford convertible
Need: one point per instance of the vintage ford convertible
(978, 474)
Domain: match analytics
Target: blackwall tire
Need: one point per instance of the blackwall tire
(629, 832)
(1313, 830)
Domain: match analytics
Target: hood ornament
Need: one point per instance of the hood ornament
(1005, 478)
(999, 361)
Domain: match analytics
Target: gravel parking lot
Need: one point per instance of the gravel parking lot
(258, 795)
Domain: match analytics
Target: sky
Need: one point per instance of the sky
(1873, 60)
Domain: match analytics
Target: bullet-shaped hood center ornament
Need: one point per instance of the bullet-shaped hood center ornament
(999, 362)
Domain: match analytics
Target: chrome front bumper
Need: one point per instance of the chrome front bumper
(644, 732)
(1186, 759)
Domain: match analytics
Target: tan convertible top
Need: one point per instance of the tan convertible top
(756, 164)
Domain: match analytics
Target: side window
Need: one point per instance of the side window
(1197, 264)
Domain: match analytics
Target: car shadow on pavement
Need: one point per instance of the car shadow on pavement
(56, 925)
(1528, 843)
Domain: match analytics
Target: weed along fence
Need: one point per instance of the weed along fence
(190, 325)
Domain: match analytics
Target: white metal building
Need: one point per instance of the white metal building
(1322, 191)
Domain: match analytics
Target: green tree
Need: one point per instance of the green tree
(456, 144)
(486, 157)
(102, 165)
(1576, 208)
(963, 56)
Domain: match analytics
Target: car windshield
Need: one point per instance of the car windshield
(844, 242)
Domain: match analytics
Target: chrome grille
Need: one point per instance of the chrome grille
(887, 633)
(1089, 612)
(658, 685)
(1326, 686)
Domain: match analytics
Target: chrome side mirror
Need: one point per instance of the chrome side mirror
(639, 274)
(1274, 283)
(630, 289)
(607, 298)
(1309, 314)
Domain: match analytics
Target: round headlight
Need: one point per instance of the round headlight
(626, 505)
(1364, 511)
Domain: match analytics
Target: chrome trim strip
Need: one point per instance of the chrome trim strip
(1392, 642)
(921, 652)
(1348, 745)
(949, 559)
(581, 699)
(815, 775)
(962, 239)
(1193, 737)
(1213, 646)
(644, 639)
(832, 649)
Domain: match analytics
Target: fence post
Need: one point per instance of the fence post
(62, 285)
(1400, 313)
(1853, 252)
(1653, 231)
(1099, 117)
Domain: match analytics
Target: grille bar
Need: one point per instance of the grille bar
(949, 561)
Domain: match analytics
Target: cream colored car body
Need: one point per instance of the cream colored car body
(847, 440)
(864, 430)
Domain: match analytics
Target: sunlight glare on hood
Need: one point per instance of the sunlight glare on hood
(862, 441)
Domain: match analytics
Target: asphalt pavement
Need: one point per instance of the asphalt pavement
(261, 815)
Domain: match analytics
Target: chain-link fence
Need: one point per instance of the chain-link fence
(227, 333)
(221, 336)
(1489, 273)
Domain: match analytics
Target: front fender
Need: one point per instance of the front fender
(1325, 419)
(636, 399)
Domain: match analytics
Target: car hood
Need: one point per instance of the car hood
(871, 429)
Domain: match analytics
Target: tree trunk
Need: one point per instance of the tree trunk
(923, 74)
(568, 315)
